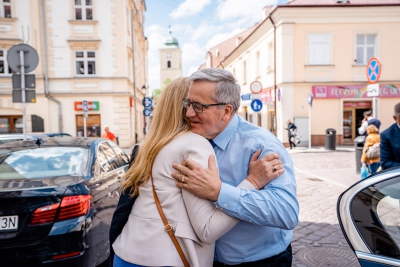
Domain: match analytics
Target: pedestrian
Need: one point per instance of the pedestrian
(372, 141)
(108, 135)
(291, 128)
(368, 119)
(390, 142)
(196, 223)
(268, 216)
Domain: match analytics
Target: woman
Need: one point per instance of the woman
(372, 138)
(196, 222)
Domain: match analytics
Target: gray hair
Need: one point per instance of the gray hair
(228, 91)
(397, 110)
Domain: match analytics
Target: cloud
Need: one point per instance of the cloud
(189, 7)
(192, 52)
(204, 30)
(192, 69)
(231, 9)
(221, 37)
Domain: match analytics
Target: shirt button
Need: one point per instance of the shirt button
(225, 205)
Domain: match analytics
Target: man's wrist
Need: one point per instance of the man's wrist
(216, 195)
(253, 181)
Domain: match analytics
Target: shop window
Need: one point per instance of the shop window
(4, 69)
(83, 10)
(11, 124)
(319, 49)
(4, 125)
(5, 8)
(169, 64)
(93, 127)
(365, 48)
(85, 62)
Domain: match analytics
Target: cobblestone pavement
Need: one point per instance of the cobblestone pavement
(322, 177)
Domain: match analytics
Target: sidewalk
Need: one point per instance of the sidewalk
(319, 149)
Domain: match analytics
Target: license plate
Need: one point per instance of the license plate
(8, 223)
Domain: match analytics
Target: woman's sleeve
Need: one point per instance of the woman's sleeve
(208, 221)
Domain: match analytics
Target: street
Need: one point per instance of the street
(321, 177)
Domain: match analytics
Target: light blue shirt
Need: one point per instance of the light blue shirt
(268, 215)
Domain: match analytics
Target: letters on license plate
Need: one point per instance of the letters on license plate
(8, 223)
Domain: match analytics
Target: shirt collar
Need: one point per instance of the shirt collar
(223, 138)
(398, 125)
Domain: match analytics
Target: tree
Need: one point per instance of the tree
(157, 92)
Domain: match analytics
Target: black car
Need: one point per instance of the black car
(57, 197)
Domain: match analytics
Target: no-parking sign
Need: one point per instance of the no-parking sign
(374, 70)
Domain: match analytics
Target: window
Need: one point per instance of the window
(319, 49)
(83, 10)
(270, 57)
(123, 158)
(258, 64)
(5, 9)
(244, 72)
(168, 64)
(365, 48)
(85, 63)
(109, 155)
(4, 69)
(169, 55)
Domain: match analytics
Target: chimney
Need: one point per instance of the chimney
(265, 11)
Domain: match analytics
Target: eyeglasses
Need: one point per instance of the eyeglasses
(198, 107)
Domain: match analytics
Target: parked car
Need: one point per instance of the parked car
(369, 216)
(57, 197)
(57, 135)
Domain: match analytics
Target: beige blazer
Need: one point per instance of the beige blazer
(197, 223)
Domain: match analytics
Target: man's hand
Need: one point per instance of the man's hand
(204, 183)
(264, 170)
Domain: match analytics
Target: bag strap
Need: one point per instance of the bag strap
(168, 227)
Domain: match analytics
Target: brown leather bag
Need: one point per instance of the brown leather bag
(168, 227)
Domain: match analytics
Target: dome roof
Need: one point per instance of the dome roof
(170, 42)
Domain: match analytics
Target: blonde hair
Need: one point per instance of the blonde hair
(372, 129)
(169, 121)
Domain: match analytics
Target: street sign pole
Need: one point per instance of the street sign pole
(309, 127)
(21, 57)
(85, 110)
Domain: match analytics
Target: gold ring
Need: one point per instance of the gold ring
(274, 169)
(183, 179)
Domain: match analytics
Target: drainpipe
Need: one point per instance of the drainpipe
(46, 79)
(134, 76)
(275, 91)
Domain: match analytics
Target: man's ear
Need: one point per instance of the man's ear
(395, 118)
(228, 109)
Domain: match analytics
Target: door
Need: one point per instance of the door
(369, 216)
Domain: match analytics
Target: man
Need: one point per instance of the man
(368, 119)
(263, 236)
(108, 135)
(291, 127)
(390, 142)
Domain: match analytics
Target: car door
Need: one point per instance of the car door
(369, 215)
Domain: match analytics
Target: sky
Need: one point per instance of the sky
(198, 25)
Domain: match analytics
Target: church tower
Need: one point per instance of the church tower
(170, 60)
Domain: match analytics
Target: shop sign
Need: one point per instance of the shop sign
(358, 104)
(266, 96)
(95, 105)
(353, 91)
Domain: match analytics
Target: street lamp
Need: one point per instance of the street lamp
(144, 90)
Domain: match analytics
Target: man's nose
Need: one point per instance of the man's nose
(190, 112)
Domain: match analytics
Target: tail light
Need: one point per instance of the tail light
(70, 207)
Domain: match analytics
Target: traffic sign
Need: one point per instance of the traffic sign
(147, 112)
(85, 106)
(374, 70)
(147, 102)
(373, 89)
(245, 97)
(279, 94)
(309, 99)
(30, 96)
(256, 87)
(31, 58)
(256, 105)
(29, 81)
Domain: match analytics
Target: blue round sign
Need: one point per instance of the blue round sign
(374, 70)
(256, 105)
(147, 102)
(147, 112)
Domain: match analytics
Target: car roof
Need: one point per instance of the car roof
(84, 142)
(18, 136)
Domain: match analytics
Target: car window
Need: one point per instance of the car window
(376, 214)
(120, 153)
(103, 161)
(110, 155)
(43, 162)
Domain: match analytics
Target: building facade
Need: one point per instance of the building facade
(88, 50)
(170, 61)
(320, 48)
